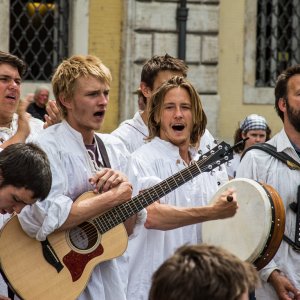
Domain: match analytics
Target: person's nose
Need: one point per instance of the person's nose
(103, 100)
(178, 112)
(13, 84)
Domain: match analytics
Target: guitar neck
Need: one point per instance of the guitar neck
(122, 212)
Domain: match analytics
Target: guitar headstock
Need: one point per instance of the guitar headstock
(215, 157)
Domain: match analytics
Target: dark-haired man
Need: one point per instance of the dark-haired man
(281, 277)
(25, 177)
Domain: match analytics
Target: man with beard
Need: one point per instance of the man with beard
(281, 277)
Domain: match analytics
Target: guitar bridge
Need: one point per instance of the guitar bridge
(50, 256)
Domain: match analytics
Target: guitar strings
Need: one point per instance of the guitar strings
(103, 222)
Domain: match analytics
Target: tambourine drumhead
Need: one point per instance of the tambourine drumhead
(246, 233)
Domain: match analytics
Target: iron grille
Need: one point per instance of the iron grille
(39, 35)
(278, 39)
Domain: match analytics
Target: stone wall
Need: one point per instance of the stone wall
(150, 28)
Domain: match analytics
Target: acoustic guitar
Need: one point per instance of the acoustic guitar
(60, 267)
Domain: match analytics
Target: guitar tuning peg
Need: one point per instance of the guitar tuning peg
(216, 141)
(208, 147)
(212, 172)
(220, 168)
(200, 152)
(228, 164)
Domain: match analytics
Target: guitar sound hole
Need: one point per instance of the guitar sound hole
(83, 236)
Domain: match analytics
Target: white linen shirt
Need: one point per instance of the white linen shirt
(151, 163)
(70, 173)
(36, 126)
(132, 132)
(260, 166)
(234, 163)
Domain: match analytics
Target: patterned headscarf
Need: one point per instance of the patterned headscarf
(253, 122)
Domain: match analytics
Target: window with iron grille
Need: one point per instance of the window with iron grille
(39, 35)
(278, 39)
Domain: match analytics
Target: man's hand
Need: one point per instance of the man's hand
(4, 298)
(107, 179)
(226, 205)
(283, 287)
(23, 118)
(54, 114)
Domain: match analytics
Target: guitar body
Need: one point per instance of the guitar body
(33, 278)
(60, 267)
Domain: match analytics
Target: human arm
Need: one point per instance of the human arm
(165, 217)
(91, 207)
(23, 129)
(283, 286)
(4, 298)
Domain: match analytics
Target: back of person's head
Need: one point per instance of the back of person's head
(73, 68)
(27, 166)
(202, 272)
(14, 61)
(156, 104)
(161, 63)
(251, 122)
(281, 86)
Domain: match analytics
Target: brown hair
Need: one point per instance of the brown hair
(156, 103)
(64, 78)
(201, 272)
(14, 61)
(161, 63)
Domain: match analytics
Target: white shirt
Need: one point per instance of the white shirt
(259, 165)
(151, 163)
(36, 126)
(71, 170)
(234, 163)
(132, 132)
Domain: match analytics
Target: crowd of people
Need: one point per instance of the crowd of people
(61, 140)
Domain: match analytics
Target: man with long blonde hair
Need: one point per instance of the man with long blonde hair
(176, 123)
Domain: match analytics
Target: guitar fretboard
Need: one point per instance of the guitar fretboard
(122, 212)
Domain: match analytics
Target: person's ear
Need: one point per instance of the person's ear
(147, 92)
(65, 101)
(282, 104)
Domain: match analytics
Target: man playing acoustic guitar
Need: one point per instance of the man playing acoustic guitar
(80, 162)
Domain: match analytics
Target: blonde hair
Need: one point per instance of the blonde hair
(156, 103)
(77, 66)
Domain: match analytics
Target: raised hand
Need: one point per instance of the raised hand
(54, 114)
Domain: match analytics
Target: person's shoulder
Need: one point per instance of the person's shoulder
(148, 151)
(124, 128)
(36, 125)
(113, 143)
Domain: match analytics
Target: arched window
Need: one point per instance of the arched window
(39, 35)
